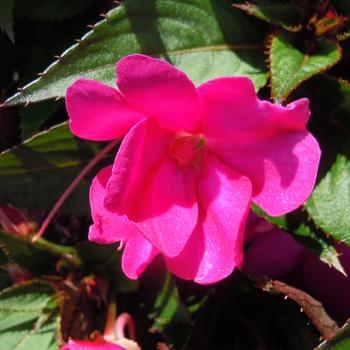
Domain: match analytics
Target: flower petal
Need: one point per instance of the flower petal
(167, 211)
(159, 90)
(234, 111)
(215, 247)
(266, 142)
(137, 255)
(145, 145)
(108, 227)
(273, 254)
(98, 344)
(282, 168)
(98, 111)
(152, 189)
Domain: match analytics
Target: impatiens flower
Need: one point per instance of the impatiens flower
(113, 338)
(275, 254)
(191, 161)
(17, 273)
(98, 344)
(272, 252)
(13, 220)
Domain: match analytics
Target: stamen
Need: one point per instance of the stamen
(185, 148)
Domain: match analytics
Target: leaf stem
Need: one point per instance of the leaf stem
(55, 249)
(72, 186)
(109, 331)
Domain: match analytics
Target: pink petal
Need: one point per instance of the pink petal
(255, 227)
(215, 247)
(159, 90)
(137, 255)
(108, 227)
(99, 344)
(267, 143)
(234, 111)
(167, 211)
(98, 111)
(273, 254)
(151, 188)
(282, 168)
(145, 145)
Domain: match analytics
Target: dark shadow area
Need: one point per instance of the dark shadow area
(305, 231)
(329, 121)
(246, 31)
(238, 315)
(144, 25)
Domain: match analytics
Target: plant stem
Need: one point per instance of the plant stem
(54, 248)
(72, 186)
(109, 331)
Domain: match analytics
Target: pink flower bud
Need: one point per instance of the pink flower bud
(12, 220)
(17, 273)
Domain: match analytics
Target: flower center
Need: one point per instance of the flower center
(186, 148)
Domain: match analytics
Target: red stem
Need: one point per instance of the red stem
(72, 186)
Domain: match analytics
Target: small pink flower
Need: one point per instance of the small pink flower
(13, 220)
(17, 273)
(191, 162)
(114, 337)
(97, 344)
(275, 254)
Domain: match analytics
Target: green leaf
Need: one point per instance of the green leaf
(36, 257)
(34, 116)
(168, 306)
(339, 341)
(22, 251)
(329, 205)
(171, 317)
(290, 66)
(205, 39)
(284, 15)
(36, 173)
(6, 17)
(29, 317)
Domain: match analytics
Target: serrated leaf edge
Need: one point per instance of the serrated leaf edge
(281, 99)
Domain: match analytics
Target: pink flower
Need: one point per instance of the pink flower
(113, 338)
(271, 252)
(97, 344)
(17, 273)
(191, 162)
(275, 254)
(13, 220)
